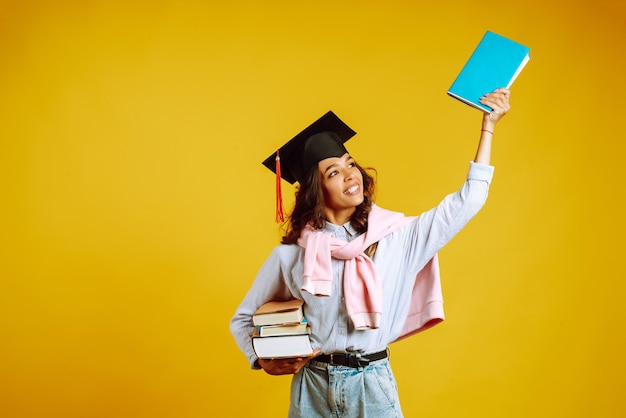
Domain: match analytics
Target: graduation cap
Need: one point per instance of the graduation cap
(322, 139)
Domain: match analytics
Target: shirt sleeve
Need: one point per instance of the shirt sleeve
(268, 285)
(434, 228)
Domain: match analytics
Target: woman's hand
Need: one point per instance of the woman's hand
(498, 100)
(286, 365)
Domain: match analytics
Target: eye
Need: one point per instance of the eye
(332, 173)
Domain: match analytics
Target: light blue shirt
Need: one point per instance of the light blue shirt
(399, 257)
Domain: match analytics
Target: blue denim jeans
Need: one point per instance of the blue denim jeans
(322, 390)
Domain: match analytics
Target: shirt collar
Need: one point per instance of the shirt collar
(339, 230)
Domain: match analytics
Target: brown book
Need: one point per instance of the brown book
(277, 312)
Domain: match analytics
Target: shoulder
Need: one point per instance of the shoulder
(285, 257)
(286, 252)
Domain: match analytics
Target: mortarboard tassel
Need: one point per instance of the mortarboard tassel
(280, 217)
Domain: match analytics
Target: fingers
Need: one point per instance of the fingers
(505, 92)
(283, 365)
(498, 101)
(287, 365)
(316, 353)
(303, 361)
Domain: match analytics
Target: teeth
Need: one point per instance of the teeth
(352, 189)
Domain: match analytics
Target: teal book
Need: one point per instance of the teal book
(496, 62)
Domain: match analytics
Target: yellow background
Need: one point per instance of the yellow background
(135, 211)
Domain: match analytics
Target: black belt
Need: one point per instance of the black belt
(351, 359)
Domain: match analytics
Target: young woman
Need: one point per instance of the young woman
(367, 276)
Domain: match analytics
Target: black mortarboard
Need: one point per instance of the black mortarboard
(322, 139)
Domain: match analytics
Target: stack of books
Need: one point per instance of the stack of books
(281, 330)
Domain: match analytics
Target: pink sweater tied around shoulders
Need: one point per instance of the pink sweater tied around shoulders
(362, 286)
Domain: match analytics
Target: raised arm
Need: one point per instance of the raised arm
(498, 100)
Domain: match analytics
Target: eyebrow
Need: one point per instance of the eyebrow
(334, 165)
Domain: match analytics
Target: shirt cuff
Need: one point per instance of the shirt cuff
(481, 172)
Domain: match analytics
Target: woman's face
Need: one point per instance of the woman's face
(342, 184)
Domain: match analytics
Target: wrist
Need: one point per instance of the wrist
(488, 124)
(488, 128)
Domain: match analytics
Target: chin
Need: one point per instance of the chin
(359, 201)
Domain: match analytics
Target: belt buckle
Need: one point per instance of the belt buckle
(355, 360)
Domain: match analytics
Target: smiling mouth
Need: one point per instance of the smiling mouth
(352, 190)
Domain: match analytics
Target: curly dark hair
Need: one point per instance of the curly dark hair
(309, 205)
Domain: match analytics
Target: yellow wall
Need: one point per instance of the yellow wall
(135, 212)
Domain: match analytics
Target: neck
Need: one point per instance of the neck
(338, 217)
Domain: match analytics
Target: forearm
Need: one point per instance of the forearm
(483, 153)
(499, 102)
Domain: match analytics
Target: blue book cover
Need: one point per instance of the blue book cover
(496, 62)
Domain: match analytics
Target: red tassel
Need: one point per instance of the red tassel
(280, 217)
